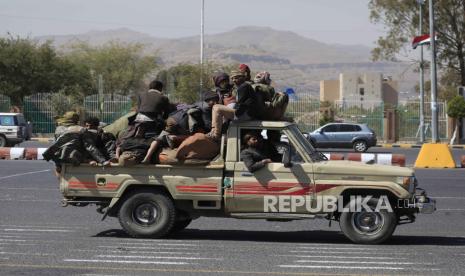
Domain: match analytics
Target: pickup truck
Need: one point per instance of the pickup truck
(157, 200)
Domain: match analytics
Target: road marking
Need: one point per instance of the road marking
(21, 174)
(358, 267)
(341, 257)
(43, 226)
(145, 247)
(29, 254)
(157, 257)
(357, 262)
(139, 252)
(37, 230)
(124, 262)
(354, 252)
(339, 248)
(8, 240)
(33, 189)
(450, 209)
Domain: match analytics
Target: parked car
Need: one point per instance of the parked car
(13, 129)
(343, 135)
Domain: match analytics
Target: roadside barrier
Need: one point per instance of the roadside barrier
(22, 153)
(380, 158)
(334, 156)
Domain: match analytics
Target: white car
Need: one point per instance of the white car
(13, 129)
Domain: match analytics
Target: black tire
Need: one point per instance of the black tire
(3, 141)
(180, 225)
(368, 227)
(360, 146)
(147, 214)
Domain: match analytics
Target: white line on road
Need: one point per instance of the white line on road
(21, 174)
(29, 254)
(124, 262)
(358, 267)
(358, 262)
(157, 257)
(146, 247)
(356, 252)
(36, 230)
(139, 252)
(339, 248)
(342, 257)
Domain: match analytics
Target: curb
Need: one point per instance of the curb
(42, 139)
(377, 158)
(415, 146)
(22, 153)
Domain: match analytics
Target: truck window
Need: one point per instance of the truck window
(273, 143)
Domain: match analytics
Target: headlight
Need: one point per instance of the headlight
(407, 182)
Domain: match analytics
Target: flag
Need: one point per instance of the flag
(421, 40)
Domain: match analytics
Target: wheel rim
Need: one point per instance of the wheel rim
(360, 146)
(367, 223)
(145, 214)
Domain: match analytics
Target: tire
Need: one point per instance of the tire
(3, 141)
(360, 146)
(368, 227)
(180, 225)
(147, 214)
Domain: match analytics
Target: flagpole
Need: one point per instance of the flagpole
(434, 109)
(422, 79)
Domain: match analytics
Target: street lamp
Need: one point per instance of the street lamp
(201, 46)
(422, 77)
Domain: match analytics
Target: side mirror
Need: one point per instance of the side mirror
(287, 157)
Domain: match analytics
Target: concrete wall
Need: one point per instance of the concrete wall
(329, 90)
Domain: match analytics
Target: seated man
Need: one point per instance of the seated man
(253, 155)
(131, 150)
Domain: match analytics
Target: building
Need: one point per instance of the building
(360, 88)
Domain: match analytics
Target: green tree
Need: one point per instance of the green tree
(456, 110)
(182, 82)
(28, 67)
(401, 17)
(123, 67)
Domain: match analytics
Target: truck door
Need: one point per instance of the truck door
(250, 191)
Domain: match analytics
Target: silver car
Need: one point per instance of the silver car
(343, 135)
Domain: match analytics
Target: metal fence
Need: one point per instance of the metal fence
(5, 103)
(43, 108)
(109, 108)
(306, 113)
(363, 112)
(409, 120)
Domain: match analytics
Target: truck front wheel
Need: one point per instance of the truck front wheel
(147, 214)
(367, 227)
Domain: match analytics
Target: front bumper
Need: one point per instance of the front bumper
(424, 204)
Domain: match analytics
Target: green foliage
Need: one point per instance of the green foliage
(122, 66)
(182, 82)
(401, 19)
(27, 67)
(325, 119)
(456, 107)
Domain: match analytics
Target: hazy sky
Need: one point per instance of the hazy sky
(330, 21)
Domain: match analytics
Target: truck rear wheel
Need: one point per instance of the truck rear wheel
(368, 227)
(147, 214)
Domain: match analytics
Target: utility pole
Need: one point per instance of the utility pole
(422, 79)
(434, 108)
(201, 46)
(100, 96)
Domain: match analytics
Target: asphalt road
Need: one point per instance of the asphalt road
(38, 237)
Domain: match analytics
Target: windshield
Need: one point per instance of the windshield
(314, 154)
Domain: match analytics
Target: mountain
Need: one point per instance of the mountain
(292, 59)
